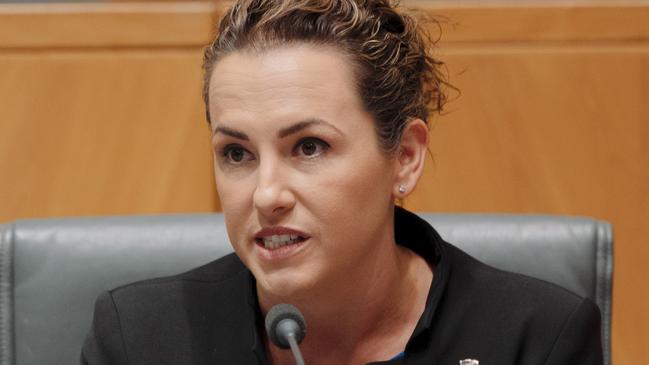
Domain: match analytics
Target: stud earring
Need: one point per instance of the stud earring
(402, 189)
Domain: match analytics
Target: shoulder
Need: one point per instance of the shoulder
(156, 318)
(223, 272)
(508, 289)
(513, 318)
(218, 272)
(149, 299)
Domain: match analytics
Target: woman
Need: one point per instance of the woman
(318, 112)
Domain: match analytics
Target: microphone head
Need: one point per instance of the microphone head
(283, 320)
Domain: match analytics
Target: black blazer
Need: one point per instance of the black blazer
(210, 315)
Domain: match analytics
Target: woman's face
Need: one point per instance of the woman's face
(305, 189)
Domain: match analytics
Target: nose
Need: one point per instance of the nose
(273, 196)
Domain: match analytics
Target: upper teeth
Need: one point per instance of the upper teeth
(280, 240)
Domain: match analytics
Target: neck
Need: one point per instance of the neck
(367, 317)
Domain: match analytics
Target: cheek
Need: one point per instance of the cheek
(233, 187)
(235, 205)
(363, 180)
(356, 190)
(351, 211)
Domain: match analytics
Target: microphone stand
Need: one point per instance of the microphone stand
(295, 349)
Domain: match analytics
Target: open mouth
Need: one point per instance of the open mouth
(276, 241)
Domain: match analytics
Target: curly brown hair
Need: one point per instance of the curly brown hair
(396, 76)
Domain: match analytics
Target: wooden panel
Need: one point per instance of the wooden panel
(101, 109)
(106, 25)
(86, 133)
(555, 129)
(486, 21)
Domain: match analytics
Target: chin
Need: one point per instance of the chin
(287, 284)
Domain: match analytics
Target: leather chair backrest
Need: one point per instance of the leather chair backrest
(51, 270)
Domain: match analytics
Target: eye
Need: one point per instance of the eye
(235, 154)
(311, 147)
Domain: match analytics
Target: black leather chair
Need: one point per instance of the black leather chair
(51, 270)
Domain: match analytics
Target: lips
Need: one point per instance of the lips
(273, 238)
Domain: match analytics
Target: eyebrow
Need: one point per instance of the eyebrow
(301, 125)
(284, 132)
(231, 132)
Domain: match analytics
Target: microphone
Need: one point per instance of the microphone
(286, 328)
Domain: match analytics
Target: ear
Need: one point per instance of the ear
(410, 158)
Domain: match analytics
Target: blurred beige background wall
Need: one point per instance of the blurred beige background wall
(101, 113)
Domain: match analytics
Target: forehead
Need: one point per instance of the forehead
(283, 81)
